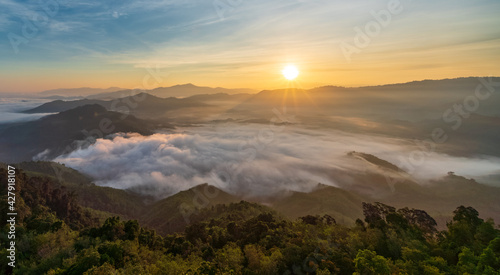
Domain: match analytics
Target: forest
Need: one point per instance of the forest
(57, 235)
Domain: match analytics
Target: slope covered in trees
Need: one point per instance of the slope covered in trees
(55, 235)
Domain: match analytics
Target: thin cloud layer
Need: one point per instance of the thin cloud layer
(11, 108)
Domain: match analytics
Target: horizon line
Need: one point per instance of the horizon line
(243, 88)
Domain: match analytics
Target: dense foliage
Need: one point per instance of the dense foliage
(57, 236)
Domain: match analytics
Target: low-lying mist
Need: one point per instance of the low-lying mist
(11, 109)
(251, 160)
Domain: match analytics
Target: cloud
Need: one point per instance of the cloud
(4, 22)
(117, 15)
(190, 39)
(10, 108)
(19, 117)
(57, 26)
(246, 160)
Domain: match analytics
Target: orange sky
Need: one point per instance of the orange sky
(345, 44)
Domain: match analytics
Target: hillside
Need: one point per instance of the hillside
(343, 205)
(173, 213)
(119, 202)
(62, 105)
(376, 161)
(141, 105)
(56, 134)
(240, 238)
(438, 197)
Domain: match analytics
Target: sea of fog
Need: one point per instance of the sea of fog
(11, 108)
(250, 159)
(253, 159)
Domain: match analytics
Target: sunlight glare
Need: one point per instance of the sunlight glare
(290, 72)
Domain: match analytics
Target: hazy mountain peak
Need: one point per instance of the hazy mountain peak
(83, 91)
(85, 110)
(146, 96)
(186, 85)
(376, 161)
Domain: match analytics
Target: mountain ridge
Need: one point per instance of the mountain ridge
(52, 135)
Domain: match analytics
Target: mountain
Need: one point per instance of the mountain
(343, 205)
(187, 90)
(116, 94)
(384, 182)
(455, 189)
(173, 213)
(54, 170)
(438, 197)
(477, 134)
(168, 215)
(59, 235)
(59, 97)
(277, 98)
(142, 105)
(407, 110)
(74, 92)
(411, 101)
(384, 109)
(113, 201)
(150, 106)
(221, 98)
(56, 134)
(62, 105)
(376, 161)
(179, 91)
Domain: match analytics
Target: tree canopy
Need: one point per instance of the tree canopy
(55, 235)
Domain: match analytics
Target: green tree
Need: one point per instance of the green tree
(367, 262)
(490, 257)
(229, 259)
(467, 262)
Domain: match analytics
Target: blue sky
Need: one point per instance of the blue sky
(241, 43)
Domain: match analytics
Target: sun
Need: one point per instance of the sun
(290, 72)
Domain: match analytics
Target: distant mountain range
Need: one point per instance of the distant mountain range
(408, 110)
(142, 105)
(61, 106)
(76, 92)
(179, 91)
(413, 101)
(194, 109)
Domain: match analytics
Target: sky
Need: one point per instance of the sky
(51, 44)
